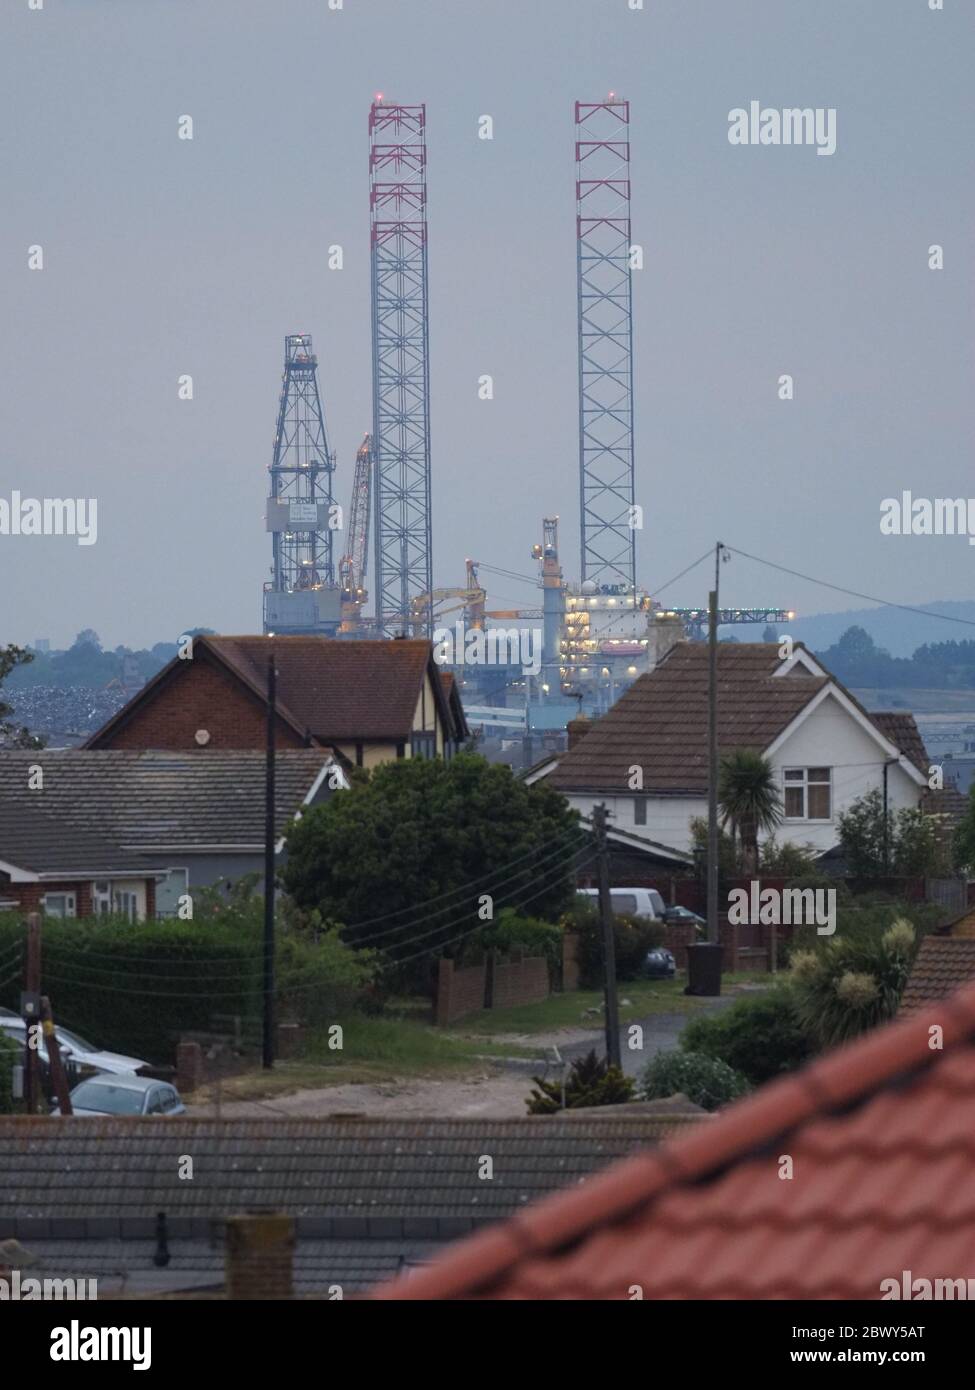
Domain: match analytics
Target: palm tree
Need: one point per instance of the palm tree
(749, 799)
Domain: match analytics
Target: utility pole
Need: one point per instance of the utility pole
(712, 908)
(30, 1008)
(609, 944)
(268, 1049)
(54, 1058)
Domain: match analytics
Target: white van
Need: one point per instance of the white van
(632, 902)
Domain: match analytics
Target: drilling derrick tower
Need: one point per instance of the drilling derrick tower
(605, 345)
(400, 366)
(302, 595)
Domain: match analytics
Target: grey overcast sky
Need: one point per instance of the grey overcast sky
(164, 256)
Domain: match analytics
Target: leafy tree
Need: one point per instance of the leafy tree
(748, 800)
(405, 857)
(590, 1081)
(704, 1080)
(88, 637)
(10, 735)
(963, 848)
(851, 983)
(770, 634)
(727, 849)
(904, 843)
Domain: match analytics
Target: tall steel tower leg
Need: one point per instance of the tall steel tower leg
(302, 596)
(400, 367)
(605, 344)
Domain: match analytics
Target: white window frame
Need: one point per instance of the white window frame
(70, 905)
(124, 899)
(101, 897)
(803, 783)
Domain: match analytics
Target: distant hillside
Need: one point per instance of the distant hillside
(900, 633)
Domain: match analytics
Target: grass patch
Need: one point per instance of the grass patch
(647, 997)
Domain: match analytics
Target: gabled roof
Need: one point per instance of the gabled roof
(881, 1137)
(148, 801)
(660, 723)
(328, 690)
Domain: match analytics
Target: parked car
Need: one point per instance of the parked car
(80, 1056)
(121, 1093)
(659, 964)
(632, 902)
(683, 916)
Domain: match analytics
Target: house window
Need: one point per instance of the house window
(101, 898)
(639, 810)
(808, 793)
(59, 904)
(424, 745)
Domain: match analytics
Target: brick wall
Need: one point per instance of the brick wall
(570, 960)
(520, 981)
(495, 984)
(459, 992)
(199, 696)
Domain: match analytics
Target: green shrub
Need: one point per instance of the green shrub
(851, 983)
(590, 1081)
(633, 937)
(704, 1080)
(10, 1055)
(759, 1035)
(511, 932)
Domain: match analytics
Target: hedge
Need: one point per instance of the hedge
(134, 987)
(10, 1055)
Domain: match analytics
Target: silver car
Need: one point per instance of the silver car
(125, 1094)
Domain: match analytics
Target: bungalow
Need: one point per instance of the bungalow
(370, 701)
(646, 758)
(126, 831)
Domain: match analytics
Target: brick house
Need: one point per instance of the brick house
(46, 867)
(371, 701)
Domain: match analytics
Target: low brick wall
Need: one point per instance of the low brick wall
(495, 984)
(570, 960)
(520, 982)
(459, 992)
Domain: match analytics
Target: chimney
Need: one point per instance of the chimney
(577, 729)
(259, 1256)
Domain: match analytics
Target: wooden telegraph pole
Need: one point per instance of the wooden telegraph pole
(609, 942)
(30, 1009)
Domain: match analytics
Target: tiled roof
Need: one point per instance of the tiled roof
(142, 801)
(337, 689)
(39, 843)
(348, 1171)
(660, 722)
(942, 965)
(903, 733)
(881, 1137)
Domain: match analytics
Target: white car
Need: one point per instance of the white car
(83, 1057)
(631, 902)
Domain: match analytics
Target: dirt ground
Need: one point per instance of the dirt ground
(495, 1095)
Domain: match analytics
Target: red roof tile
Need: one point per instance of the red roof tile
(942, 965)
(881, 1135)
